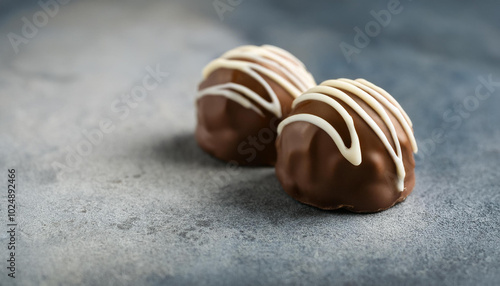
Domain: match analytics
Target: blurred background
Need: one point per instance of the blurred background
(142, 205)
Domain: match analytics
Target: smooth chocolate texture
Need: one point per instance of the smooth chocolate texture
(312, 170)
(232, 132)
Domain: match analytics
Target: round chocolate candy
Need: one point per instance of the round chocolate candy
(243, 96)
(346, 144)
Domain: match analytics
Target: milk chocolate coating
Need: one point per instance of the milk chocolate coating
(231, 132)
(312, 170)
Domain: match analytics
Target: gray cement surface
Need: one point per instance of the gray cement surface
(145, 206)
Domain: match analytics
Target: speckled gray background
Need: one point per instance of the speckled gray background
(147, 207)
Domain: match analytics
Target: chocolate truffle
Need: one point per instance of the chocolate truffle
(243, 96)
(346, 144)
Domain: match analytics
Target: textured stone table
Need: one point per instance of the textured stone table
(143, 205)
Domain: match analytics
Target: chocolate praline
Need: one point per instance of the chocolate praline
(243, 97)
(346, 144)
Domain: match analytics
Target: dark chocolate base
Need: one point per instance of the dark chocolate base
(312, 170)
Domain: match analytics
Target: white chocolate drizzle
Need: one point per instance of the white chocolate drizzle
(250, 60)
(333, 91)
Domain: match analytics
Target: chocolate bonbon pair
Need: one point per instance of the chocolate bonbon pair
(341, 144)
